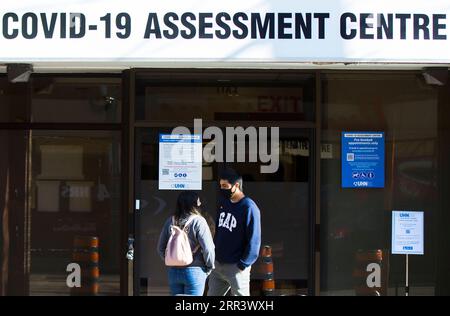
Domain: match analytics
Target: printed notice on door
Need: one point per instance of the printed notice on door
(407, 233)
(180, 162)
(362, 159)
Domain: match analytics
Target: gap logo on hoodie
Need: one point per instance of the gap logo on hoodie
(227, 220)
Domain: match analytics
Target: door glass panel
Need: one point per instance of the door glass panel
(13, 101)
(226, 101)
(13, 192)
(76, 99)
(61, 99)
(75, 193)
(283, 198)
(275, 97)
(356, 223)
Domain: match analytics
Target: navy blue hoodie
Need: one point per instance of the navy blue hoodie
(238, 232)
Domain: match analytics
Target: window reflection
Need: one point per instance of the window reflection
(73, 99)
(13, 192)
(356, 222)
(283, 198)
(269, 97)
(13, 101)
(75, 192)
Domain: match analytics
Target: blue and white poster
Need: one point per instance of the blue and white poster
(407, 233)
(362, 159)
(180, 162)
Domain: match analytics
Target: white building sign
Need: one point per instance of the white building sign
(146, 31)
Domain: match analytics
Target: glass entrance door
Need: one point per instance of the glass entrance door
(240, 106)
(284, 198)
(61, 212)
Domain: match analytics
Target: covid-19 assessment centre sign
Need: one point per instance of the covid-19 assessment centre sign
(233, 30)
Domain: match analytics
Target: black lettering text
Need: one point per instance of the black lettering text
(344, 33)
(237, 21)
(152, 26)
(364, 26)
(168, 18)
(185, 20)
(49, 28)
(321, 22)
(438, 26)
(203, 25)
(302, 26)
(29, 29)
(420, 23)
(403, 18)
(258, 27)
(282, 25)
(6, 32)
(224, 26)
(385, 26)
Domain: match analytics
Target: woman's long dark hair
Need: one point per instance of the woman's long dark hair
(187, 204)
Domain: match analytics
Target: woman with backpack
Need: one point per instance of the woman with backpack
(186, 246)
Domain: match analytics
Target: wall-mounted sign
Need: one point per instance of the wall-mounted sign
(407, 233)
(180, 162)
(142, 31)
(362, 159)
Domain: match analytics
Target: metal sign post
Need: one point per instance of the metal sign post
(407, 236)
(407, 275)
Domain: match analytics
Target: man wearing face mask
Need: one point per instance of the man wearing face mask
(237, 238)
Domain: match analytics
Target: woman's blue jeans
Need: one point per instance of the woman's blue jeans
(187, 281)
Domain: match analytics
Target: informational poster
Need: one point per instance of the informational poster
(180, 162)
(363, 159)
(407, 232)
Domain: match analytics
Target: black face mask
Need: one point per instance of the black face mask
(227, 193)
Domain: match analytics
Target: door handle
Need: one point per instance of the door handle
(130, 251)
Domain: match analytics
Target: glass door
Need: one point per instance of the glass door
(263, 123)
(284, 198)
(61, 184)
(75, 209)
(13, 212)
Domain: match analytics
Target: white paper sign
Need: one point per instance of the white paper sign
(180, 162)
(407, 233)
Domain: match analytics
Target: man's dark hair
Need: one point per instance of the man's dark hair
(231, 176)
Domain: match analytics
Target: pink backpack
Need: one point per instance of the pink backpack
(178, 250)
